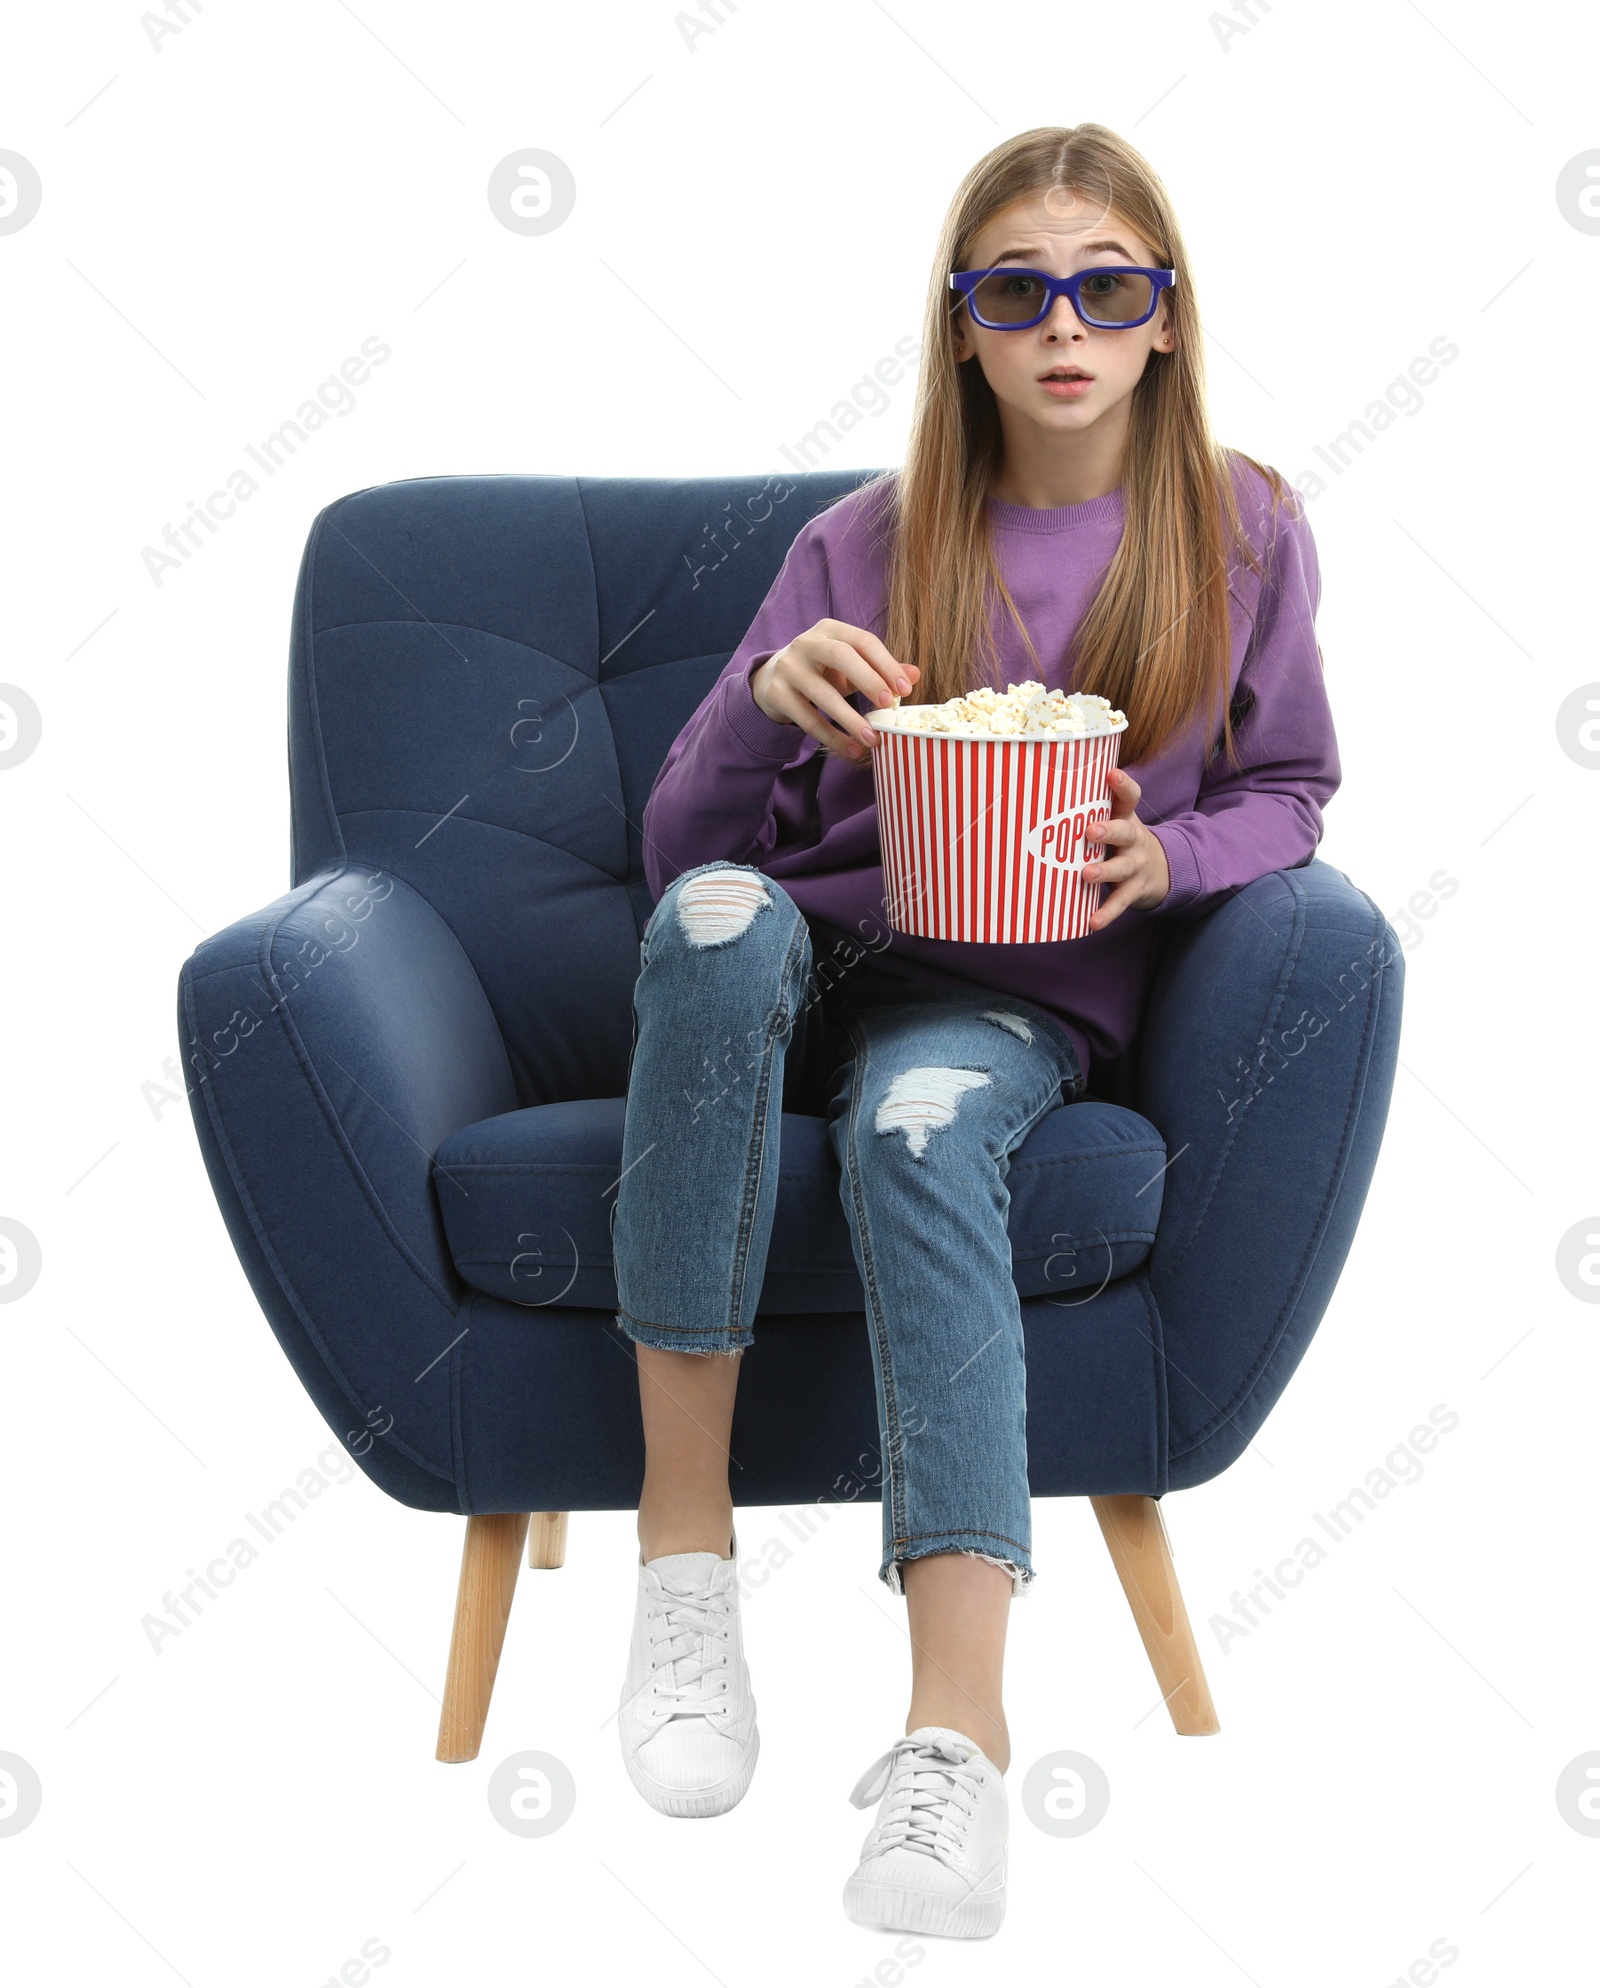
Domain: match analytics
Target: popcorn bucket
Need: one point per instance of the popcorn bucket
(983, 838)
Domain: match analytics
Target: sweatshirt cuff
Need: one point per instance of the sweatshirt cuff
(761, 736)
(1185, 887)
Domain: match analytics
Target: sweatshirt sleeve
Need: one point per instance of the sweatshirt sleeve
(713, 798)
(1267, 815)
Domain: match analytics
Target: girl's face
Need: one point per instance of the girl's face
(1060, 232)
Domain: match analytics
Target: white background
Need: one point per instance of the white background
(223, 222)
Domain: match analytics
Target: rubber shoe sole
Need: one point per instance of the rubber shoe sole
(893, 1909)
(716, 1800)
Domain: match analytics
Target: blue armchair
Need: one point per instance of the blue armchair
(407, 1073)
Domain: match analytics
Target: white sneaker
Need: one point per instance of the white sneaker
(935, 1859)
(688, 1717)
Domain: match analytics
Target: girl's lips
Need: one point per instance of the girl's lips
(1066, 389)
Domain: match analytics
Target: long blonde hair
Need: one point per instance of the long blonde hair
(1155, 640)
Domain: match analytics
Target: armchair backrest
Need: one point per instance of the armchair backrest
(486, 673)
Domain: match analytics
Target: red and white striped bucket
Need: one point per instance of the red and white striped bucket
(982, 838)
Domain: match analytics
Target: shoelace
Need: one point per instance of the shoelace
(685, 1616)
(934, 1783)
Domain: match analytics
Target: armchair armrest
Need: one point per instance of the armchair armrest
(330, 1042)
(1268, 1053)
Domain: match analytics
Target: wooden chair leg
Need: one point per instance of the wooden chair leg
(547, 1540)
(490, 1559)
(1141, 1552)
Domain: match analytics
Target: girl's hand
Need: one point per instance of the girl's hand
(1140, 873)
(807, 683)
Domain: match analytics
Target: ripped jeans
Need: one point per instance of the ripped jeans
(927, 1091)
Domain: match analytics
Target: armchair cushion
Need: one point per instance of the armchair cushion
(527, 1197)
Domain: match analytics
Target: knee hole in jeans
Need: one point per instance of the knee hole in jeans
(923, 1100)
(717, 906)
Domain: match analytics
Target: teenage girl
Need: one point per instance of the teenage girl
(1063, 515)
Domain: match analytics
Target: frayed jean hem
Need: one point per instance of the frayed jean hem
(682, 1339)
(1021, 1572)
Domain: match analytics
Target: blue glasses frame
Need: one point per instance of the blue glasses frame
(1070, 287)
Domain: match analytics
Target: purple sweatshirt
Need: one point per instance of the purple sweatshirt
(740, 787)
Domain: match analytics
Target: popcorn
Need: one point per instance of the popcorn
(1025, 710)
